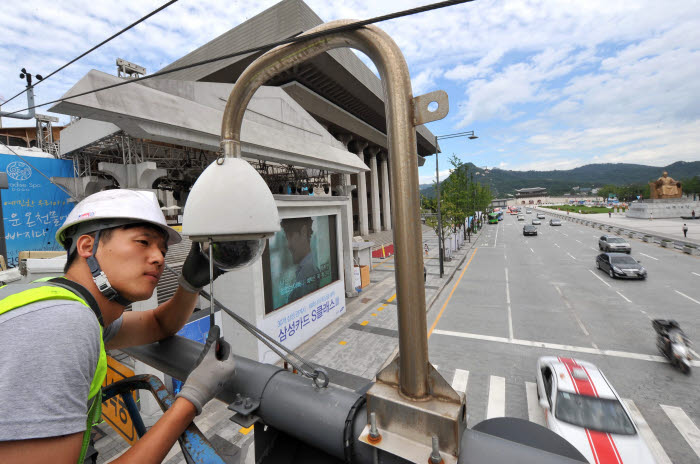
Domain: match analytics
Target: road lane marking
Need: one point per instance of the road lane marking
(565, 235)
(557, 245)
(510, 312)
(559, 347)
(650, 257)
(534, 411)
(572, 257)
(495, 240)
(598, 277)
(449, 297)
(507, 288)
(685, 426)
(695, 274)
(532, 250)
(623, 296)
(645, 431)
(459, 382)
(497, 397)
(579, 241)
(691, 299)
(578, 320)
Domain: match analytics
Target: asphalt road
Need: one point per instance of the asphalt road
(520, 298)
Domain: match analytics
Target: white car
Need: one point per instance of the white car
(581, 406)
(521, 217)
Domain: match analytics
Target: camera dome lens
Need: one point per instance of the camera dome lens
(235, 254)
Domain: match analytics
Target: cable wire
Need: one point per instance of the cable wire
(130, 26)
(268, 46)
(270, 342)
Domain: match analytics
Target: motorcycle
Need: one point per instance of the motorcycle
(673, 343)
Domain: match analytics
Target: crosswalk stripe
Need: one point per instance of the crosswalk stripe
(459, 382)
(534, 411)
(497, 397)
(649, 438)
(685, 426)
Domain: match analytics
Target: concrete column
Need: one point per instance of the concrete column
(81, 187)
(386, 200)
(374, 176)
(139, 176)
(362, 210)
(346, 186)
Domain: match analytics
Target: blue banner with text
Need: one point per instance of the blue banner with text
(32, 207)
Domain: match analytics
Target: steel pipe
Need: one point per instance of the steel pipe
(288, 402)
(403, 160)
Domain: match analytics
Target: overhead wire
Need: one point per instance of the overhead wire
(265, 47)
(113, 36)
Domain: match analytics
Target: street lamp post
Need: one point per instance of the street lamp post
(441, 238)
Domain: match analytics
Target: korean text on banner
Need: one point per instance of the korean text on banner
(33, 208)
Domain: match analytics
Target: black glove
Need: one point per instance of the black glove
(195, 271)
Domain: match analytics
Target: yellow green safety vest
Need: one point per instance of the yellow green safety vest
(24, 294)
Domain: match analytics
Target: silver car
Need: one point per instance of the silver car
(611, 243)
(536, 222)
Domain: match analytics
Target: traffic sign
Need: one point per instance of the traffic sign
(114, 410)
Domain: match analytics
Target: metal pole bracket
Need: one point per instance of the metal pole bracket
(421, 107)
(244, 409)
(407, 428)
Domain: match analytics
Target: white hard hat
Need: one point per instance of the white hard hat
(114, 208)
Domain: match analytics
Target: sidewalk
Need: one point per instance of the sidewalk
(666, 228)
(352, 349)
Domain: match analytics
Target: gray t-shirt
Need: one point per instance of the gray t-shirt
(48, 355)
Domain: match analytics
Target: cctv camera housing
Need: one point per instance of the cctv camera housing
(230, 202)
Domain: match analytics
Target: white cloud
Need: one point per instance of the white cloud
(548, 83)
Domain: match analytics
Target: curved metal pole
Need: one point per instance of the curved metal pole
(29, 114)
(403, 160)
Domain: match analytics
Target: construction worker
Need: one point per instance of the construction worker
(53, 335)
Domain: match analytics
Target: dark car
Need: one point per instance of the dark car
(554, 222)
(529, 230)
(620, 265)
(612, 243)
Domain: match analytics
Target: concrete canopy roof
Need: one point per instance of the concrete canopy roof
(338, 76)
(275, 127)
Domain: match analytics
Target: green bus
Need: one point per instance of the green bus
(493, 218)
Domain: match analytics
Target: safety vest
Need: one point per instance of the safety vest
(18, 295)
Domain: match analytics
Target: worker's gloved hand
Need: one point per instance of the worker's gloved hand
(195, 271)
(210, 372)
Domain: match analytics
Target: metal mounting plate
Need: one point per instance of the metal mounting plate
(421, 113)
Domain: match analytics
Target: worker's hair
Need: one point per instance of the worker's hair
(106, 235)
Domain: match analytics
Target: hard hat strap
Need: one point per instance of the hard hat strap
(100, 278)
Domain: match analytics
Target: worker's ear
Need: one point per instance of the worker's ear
(84, 246)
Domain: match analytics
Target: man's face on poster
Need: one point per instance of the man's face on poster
(298, 232)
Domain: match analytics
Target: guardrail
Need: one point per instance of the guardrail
(663, 241)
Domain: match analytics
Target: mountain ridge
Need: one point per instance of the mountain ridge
(504, 182)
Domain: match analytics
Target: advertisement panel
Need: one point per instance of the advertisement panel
(299, 259)
(297, 322)
(33, 208)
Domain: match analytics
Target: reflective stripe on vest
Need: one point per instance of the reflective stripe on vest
(18, 295)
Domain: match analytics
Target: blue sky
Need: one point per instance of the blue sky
(545, 84)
